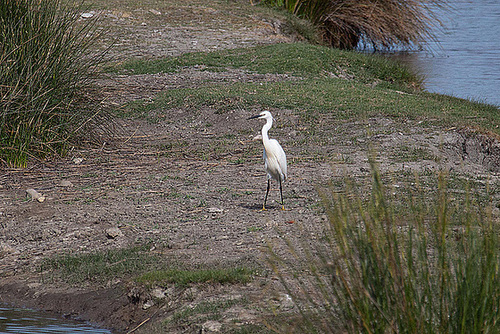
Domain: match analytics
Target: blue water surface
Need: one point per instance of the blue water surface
(464, 60)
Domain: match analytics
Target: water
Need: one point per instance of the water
(25, 321)
(465, 59)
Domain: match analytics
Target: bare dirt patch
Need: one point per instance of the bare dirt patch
(169, 182)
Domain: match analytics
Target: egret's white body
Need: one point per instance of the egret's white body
(274, 156)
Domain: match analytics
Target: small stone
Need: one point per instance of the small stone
(158, 293)
(211, 327)
(6, 249)
(155, 12)
(147, 304)
(87, 15)
(34, 285)
(286, 301)
(66, 183)
(35, 195)
(215, 210)
(77, 161)
(113, 233)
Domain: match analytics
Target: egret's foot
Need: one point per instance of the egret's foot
(283, 208)
(263, 209)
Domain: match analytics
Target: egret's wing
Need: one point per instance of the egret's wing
(280, 157)
(282, 163)
(264, 156)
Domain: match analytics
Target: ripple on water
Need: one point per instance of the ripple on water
(26, 321)
(464, 61)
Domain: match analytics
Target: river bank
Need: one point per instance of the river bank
(184, 180)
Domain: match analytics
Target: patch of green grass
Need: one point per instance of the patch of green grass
(340, 99)
(411, 154)
(341, 84)
(100, 265)
(297, 59)
(138, 263)
(238, 161)
(185, 277)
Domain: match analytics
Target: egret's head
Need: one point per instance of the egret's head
(264, 115)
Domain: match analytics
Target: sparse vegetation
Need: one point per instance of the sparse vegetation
(297, 59)
(433, 268)
(342, 84)
(185, 277)
(99, 266)
(136, 262)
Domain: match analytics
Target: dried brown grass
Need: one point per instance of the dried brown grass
(381, 24)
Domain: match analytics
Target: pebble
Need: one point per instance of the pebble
(286, 302)
(211, 327)
(35, 195)
(66, 183)
(215, 210)
(113, 233)
(6, 249)
(158, 293)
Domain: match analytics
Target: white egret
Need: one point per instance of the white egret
(274, 157)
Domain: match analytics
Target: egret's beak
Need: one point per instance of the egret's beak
(256, 116)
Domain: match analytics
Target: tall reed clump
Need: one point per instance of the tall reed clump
(378, 23)
(384, 268)
(45, 66)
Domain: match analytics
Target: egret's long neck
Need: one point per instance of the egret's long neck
(265, 129)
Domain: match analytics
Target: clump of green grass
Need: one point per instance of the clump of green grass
(382, 271)
(343, 84)
(45, 65)
(100, 266)
(137, 263)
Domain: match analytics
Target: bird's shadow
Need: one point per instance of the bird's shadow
(251, 206)
(258, 207)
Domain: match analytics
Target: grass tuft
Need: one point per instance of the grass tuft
(99, 266)
(433, 268)
(137, 263)
(45, 66)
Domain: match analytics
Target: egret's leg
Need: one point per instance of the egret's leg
(267, 192)
(281, 193)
